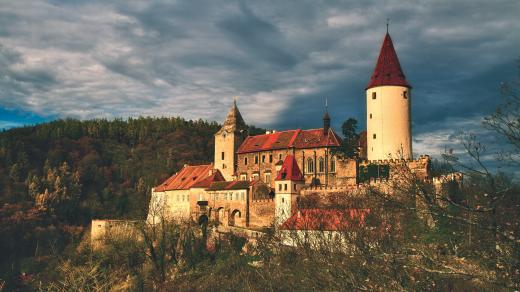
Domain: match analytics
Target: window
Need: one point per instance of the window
(370, 115)
(216, 196)
(242, 196)
(295, 187)
(270, 158)
(256, 159)
(223, 166)
(373, 136)
(267, 178)
(321, 165)
(255, 176)
(285, 187)
(222, 155)
(373, 95)
(310, 165)
(263, 158)
(333, 164)
(243, 177)
(236, 196)
(280, 156)
(280, 187)
(405, 94)
(282, 202)
(245, 160)
(178, 198)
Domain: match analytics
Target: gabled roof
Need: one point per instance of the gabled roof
(290, 170)
(229, 185)
(234, 121)
(326, 219)
(189, 176)
(388, 69)
(290, 139)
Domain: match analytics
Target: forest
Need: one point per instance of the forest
(56, 176)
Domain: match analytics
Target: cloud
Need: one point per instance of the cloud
(90, 59)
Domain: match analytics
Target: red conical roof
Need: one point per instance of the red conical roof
(290, 170)
(388, 70)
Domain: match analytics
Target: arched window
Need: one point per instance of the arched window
(321, 164)
(333, 164)
(310, 165)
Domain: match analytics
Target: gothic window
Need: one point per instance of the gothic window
(270, 158)
(256, 159)
(245, 160)
(310, 165)
(333, 164)
(222, 155)
(373, 95)
(321, 164)
(263, 158)
(283, 200)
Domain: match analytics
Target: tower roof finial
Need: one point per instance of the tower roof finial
(326, 105)
(387, 24)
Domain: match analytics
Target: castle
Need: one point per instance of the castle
(255, 181)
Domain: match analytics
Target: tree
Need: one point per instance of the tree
(349, 145)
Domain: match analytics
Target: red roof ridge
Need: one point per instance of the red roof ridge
(296, 133)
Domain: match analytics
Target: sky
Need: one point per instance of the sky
(282, 59)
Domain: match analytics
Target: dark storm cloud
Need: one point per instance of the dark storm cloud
(262, 39)
(283, 58)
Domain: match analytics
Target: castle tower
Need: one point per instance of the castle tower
(288, 183)
(389, 133)
(227, 141)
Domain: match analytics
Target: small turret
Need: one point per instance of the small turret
(288, 183)
(326, 120)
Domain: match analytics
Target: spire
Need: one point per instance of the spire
(290, 170)
(234, 121)
(388, 70)
(326, 119)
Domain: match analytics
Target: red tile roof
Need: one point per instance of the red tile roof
(290, 139)
(189, 176)
(325, 219)
(290, 170)
(388, 70)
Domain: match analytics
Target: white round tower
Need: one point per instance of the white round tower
(388, 94)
